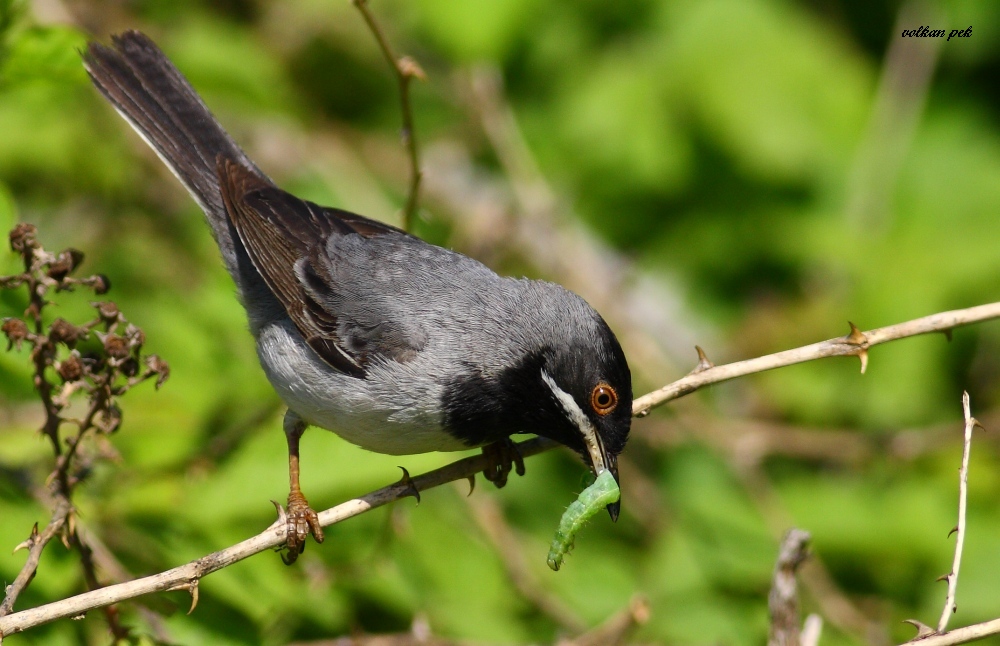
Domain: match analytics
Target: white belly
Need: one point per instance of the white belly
(394, 411)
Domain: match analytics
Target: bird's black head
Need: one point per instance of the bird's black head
(588, 385)
(568, 381)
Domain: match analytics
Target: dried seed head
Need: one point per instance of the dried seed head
(16, 331)
(110, 419)
(158, 366)
(116, 346)
(100, 283)
(135, 337)
(70, 368)
(108, 311)
(65, 263)
(22, 237)
(62, 331)
(130, 367)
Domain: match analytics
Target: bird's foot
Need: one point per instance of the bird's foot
(301, 521)
(503, 457)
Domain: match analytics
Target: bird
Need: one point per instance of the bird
(396, 345)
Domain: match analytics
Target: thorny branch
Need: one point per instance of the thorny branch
(959, 635)
(103, 371)
(924, 630)
(856, 344)
(963, 498)
(187, 576)
(406, 69)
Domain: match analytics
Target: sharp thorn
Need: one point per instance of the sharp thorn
(194, 596)
(704, 363)
(856, 337)
(29, 542)
(282, 516)
(407, 482)
(923, 630)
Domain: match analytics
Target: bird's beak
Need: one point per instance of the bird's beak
(601, 461)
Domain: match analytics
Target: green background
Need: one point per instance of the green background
(745, 175)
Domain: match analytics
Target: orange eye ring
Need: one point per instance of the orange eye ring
(603, 399)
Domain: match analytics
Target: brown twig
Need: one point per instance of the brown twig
(35, 543)
(406, 69)
(783, 601)
(959, 635)
(856, 343)
(186, 576)
(963, 497)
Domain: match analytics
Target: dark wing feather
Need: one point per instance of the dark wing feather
(278, 230)
(287, 241)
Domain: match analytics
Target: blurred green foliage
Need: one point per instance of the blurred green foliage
(716, 144)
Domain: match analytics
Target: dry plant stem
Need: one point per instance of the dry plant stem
(963, 495)
(187, 576)
(783, 601)
(406, 69)
(36, 544)
(64, 507)
(60, 476)
(959, 635)
(812, 628)
(46, 272)
(857, 344)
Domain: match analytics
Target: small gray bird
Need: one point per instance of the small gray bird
(394, 344)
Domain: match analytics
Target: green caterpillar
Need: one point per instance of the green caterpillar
(591, 500)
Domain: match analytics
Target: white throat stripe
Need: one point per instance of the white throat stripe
(576, 415)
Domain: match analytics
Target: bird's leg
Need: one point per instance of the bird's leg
(302, 520)
(503, 457)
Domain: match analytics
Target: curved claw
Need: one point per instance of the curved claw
(301, 521)
(503, 457)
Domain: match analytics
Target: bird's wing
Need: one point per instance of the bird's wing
(287, 241)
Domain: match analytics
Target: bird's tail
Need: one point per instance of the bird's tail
(156, 100)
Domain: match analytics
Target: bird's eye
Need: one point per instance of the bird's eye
(603, 399)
